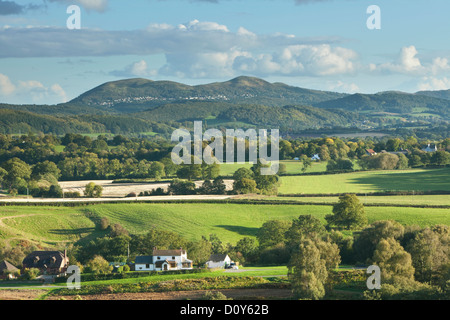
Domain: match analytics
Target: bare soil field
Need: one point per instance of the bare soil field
(236, 294)
(119, 190)
(21, 294)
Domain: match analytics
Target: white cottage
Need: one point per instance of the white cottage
(163, 260)
(218, 261)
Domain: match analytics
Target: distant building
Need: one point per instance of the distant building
(7, 270)
(370, 152)
(315, 157)
(218, 261)
(429, 148)
(163, 260)
(48, 262)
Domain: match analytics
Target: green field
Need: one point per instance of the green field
(368, 181)
(292, 167)
(231, 222)
(408, 200)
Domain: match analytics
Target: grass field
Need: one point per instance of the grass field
(231, 222)
(292, 167)
(368, 181)
(436, 200)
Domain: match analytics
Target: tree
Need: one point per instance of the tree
(273, 232)
(157, 170)
(248, 248)
(18, 173)
(306, 163)
(93, 191)
(307, 272)
(366, 242)
(348, 213)
(394, 262)
(402, 161)
(430, 251)
(99, 265)
(242, 173)
(3, 173)
(440, 158)
(104, 223)
(42, 169)
(245, 186)
(306, 226)
(200, 251)
(31, 273)
(210, 171)
(181, 187)
(339, 165)
(55, 191)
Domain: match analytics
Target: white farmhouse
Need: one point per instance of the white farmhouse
(163, 260)
(218, 261)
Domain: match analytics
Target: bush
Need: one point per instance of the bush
(30, 274)
(208, 295)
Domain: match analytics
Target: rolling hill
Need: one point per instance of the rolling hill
(133, 95)
(390, 102)
(441, 94)
(140, 105)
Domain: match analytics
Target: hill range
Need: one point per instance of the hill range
(141, 105)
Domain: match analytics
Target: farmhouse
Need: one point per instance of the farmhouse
(429, 148)
(49, 262)
(163, 260)
(7, 270)
(218, 261)
(371, 152)
(315, 157)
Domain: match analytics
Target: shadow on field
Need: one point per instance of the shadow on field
(431, 179)
(68, 232)
(243, 231)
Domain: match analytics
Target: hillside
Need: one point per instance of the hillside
(441, 94)
(391, 102)
(141, 105)
(134, 95)
(13, 121)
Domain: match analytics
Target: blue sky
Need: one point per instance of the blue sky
(318, 44)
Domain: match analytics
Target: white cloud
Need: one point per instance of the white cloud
(35, 90)
(135, 69)
(6, 86)
(432, 83)
(407, 63)
(344, 87)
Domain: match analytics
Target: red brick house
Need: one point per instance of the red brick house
(48, 262)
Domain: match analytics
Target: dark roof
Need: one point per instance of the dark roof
(217, 257)
(143, 260)
(6, 266)
(45, 260)
(178, 252)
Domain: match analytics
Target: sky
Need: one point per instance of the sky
(316, 44)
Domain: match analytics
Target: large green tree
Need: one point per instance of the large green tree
(348, 213)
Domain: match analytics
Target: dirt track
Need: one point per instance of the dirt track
(21, 294)
(236, 294)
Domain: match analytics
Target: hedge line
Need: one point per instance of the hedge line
(129, 275)
(225, 201)
(207, 283)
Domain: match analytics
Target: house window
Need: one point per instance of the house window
(173, 258)
(147, 266)
(159, 258)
